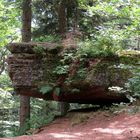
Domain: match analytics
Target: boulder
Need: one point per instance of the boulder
(100, 80)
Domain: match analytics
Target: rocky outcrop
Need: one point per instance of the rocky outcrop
(32, 69)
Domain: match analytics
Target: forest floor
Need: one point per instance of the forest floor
(112, 124)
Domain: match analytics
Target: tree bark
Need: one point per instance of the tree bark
(24, 113)
(26, 20)
(62, 18)
(26, 37)
(63, 106)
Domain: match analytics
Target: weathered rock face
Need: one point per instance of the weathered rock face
(32, 65)
(26, 66)
(26, 63)
(25, 69)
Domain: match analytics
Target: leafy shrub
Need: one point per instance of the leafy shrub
(5, 82)
(48, 38)
(134, 86)
(102, 47)
(134, 83)
(67, 58)
(73, 63)
(42, 113)
(62, 69)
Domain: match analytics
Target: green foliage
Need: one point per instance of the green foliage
(5, 82)
(39, 50)
(9, 22)
(46, 18)
(103, 48)
(67, 58)
(39, 121)
(73, 63)
(42, 113)
(62, 69)
(46, 89)
(133, 84)
(119, 18)
(9, 114)
(107, 26)
(48, 38)
(81, 73)
(57, 91)
(9, 28)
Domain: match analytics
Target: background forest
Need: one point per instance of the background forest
(104, 27)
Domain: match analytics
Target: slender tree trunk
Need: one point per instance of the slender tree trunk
(62, 18)
(63, 106)
(26, 20)
(26, 37)
(24, 113)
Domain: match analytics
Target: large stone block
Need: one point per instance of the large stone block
(32, 65)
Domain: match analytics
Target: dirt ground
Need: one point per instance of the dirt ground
(99, 125)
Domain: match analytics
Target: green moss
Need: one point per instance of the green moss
(104, 71)
(50, 63)
(39, 50)
(130, 57)
(118, 76)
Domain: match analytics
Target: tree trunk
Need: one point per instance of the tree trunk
(26, 21)
(62, 18)
(24, 113)
(26, 37)
(63, 106)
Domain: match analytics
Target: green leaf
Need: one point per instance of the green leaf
(46, 89)
(57, 91)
